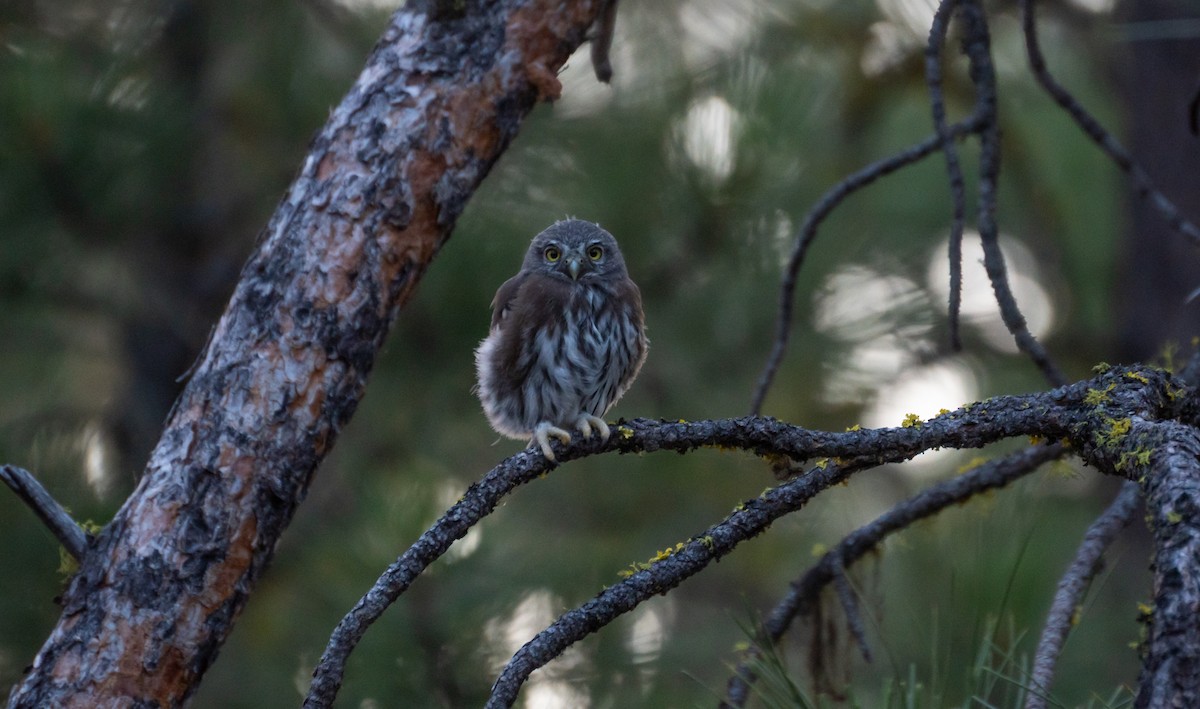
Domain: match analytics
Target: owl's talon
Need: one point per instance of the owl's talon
(586, 422)
(542, 434)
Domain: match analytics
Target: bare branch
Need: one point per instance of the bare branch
(933, 79)
(1142, 184)
(845, 594)
(1074, 584)
(53, 515)
(808, 233)
(804, 596)
(983, 74)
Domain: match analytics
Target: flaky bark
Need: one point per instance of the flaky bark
(441, 96)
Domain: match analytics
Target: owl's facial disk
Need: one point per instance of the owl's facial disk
(574, 262)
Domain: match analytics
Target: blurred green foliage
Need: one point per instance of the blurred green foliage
(143, 144)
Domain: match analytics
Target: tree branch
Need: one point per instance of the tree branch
(1122, 421)
(849, 602)
(750, 519)
(763, 436)
(1089, 424)
(805, 593)
(1170, 675)
(933, 79)
(53, 515)
(1074, 584)
(983, 75)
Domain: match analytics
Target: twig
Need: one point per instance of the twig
(805, 593)
(933, 78)
(602, 41)
(1087, 563)
(1142, 184)
(808, 233)
(983, 75)
(849, 602)
(53, 515)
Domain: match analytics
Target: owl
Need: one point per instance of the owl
(567, 338)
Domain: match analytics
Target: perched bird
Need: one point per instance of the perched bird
(567, 338)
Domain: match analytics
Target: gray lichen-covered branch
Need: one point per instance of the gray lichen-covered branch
(1124, 422)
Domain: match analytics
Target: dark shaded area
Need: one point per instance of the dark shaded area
(1159, 272)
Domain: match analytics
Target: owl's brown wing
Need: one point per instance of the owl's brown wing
(502, 303)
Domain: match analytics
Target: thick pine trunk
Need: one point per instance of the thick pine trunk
(440, 98)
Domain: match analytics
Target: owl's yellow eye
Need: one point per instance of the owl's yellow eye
(594, 252)
(552, 254)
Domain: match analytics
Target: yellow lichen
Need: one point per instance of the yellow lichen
(911, 421)
(1095, 397)
(1117, 429)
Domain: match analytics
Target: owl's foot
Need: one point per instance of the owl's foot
(542, 433)
(586, 422)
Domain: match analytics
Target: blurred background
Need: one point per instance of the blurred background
(144, 144)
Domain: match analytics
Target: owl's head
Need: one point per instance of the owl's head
(577, 251)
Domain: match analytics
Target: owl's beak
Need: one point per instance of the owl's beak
(573, 266)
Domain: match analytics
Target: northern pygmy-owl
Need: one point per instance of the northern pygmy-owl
(566, 340)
